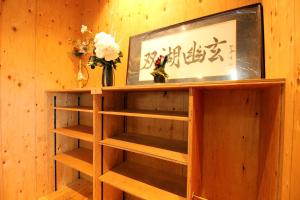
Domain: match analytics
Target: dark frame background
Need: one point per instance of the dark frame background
(249, 52)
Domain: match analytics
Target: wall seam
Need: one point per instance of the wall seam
(1, 151)
(35, 94)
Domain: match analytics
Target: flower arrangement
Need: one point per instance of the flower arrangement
(82, 47)
(80, 50)
(106, 53)
(159, 71)
(102, 49)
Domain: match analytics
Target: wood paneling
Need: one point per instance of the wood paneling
(280, 54)
(270, 143)
(55, 24)
(17, 108)
(282, 42)
(295, 171)
(34, 57)
(1, 151)
(126, 18)
(195, 147)
(237, 116)
(36, 32)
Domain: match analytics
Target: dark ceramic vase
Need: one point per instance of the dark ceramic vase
(108, 76)
(159, 79)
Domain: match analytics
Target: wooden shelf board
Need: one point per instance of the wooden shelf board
(93, 90)
(171, 115)
(170, 150)
(80, 159)
(75, 108)
(80, 189)
(146, 183)
(79, 132)
(250, 83)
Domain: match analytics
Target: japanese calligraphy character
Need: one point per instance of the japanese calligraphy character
(231, 51)
(149, 60)
(174, 56)
(194, 55)
(215, 51)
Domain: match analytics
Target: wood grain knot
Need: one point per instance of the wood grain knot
(14, 28)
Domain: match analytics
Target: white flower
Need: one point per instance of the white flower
(84, 29)
(104, 38)
(106, 47)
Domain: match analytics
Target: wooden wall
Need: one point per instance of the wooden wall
(34, 56)
(295, 172)
(282, 41)
(281, 49)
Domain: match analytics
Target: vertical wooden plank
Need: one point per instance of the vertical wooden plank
(17, 99)
(34, 45)
(271, 144)
(57, 21)
(280, 62)
(1, 130)
(96, 147)
(230, 144)
(295, 170)
(194, 180)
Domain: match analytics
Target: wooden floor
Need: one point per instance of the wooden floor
(78, 190)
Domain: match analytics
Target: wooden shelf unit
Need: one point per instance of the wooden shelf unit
(73, 130)
(217, 140)
(232, 131)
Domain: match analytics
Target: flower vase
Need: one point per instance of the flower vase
(159, 79)
(80, 77)
(108, 75)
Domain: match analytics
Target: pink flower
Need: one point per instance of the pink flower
(158, 61)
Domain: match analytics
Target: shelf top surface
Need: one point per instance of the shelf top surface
(172, 115)
(80, 189)
(91, 90)
(228, 84)
(75, 108)
(80, 159)
(138, 180)
(171, 150)
(251, 83)
(80, 132)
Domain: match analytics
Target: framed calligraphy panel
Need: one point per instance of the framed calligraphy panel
(224, 46)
